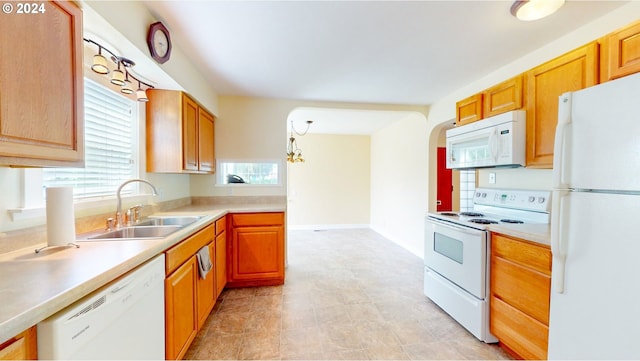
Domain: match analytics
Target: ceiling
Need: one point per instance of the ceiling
(390, 52)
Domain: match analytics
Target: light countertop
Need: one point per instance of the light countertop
(538, 233)
(36, 286)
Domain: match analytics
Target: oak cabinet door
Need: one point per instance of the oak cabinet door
(205, 289)
(180, 309)
(206, 159)
(622, 51)
(469, 110)
(573, 71)
(41, 101)
(503, 97)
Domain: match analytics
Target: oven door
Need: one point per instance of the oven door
(458, 254)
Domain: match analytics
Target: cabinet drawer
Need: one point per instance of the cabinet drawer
(521, 287)
(257, 219)
(522, 252)
(181, 252)
(221, 225)
(519, 332)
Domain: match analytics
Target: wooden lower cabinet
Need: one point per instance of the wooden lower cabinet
(256, 254)
(220, 256)
(188, 297)
(180, 310)
(22, 347)
(520, 295)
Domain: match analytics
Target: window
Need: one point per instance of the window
(255, 173)
(110, 122)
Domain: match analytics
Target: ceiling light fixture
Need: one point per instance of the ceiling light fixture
(529, 10)
(119, 76)
(294, 153)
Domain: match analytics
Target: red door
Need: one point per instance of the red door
(445, 183)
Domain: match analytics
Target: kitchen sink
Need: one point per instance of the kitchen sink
(168, 221)
(138, 232)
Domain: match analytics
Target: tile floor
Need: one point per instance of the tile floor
(348, 295)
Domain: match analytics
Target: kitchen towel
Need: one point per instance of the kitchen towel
(61, 223)
(204, 261)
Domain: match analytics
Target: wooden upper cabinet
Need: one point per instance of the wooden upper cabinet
(206, 138)
(41, 101)
(189, 134)
(573, 71)
(179, 134)
(503, 97)
(620, 52)
(469, 110)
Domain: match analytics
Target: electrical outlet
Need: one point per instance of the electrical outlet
(492, 178)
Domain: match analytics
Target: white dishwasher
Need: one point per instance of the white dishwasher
(122, 320)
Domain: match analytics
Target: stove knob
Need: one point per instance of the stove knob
(541, 199)
(484, 195)
(478, 194)
(532, 199)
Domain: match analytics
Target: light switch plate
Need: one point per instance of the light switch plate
(492, 178)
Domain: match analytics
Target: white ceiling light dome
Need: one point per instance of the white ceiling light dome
(529, 10)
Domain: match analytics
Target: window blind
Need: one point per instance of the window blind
(110, 141)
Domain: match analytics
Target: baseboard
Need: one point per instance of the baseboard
(315, 227)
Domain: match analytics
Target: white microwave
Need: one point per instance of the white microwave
(498, 141)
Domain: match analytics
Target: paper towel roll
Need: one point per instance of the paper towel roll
(61, 225)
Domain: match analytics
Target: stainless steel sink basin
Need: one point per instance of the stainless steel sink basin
(140, 232)
(168, 221)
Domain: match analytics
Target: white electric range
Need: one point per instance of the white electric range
(457, 251)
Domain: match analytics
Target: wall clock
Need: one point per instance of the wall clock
(159, 42)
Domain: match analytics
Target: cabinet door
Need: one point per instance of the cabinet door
(22, 347)
(206, 156)
(503, 97)
(257, 253)
(221, 263)
(573, 71)
(180, 309)
(469, 110)
(41, 101)
(189, 134)
(623, 52)
(206, 289)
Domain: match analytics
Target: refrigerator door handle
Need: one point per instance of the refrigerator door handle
(564, 119)
(558, 239)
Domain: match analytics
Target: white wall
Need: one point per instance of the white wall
(332, 187)
(399, 182)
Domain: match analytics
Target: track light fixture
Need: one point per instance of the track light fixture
(119, 76)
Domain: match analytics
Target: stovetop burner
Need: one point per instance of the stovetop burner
(482, 221)
(514, 221)
(471, 214)
(449, 214)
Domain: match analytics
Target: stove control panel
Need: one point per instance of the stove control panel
(530, 200)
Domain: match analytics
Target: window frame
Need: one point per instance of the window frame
(220, 182)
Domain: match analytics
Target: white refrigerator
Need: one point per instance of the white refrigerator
(595, 224)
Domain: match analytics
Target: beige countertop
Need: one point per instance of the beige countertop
(34, 286)
(538, 233)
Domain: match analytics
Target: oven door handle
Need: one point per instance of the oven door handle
(463, 229)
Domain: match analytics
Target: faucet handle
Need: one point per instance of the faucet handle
(110, 223)
(133, 214)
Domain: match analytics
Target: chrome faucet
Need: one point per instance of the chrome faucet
(119, 220)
